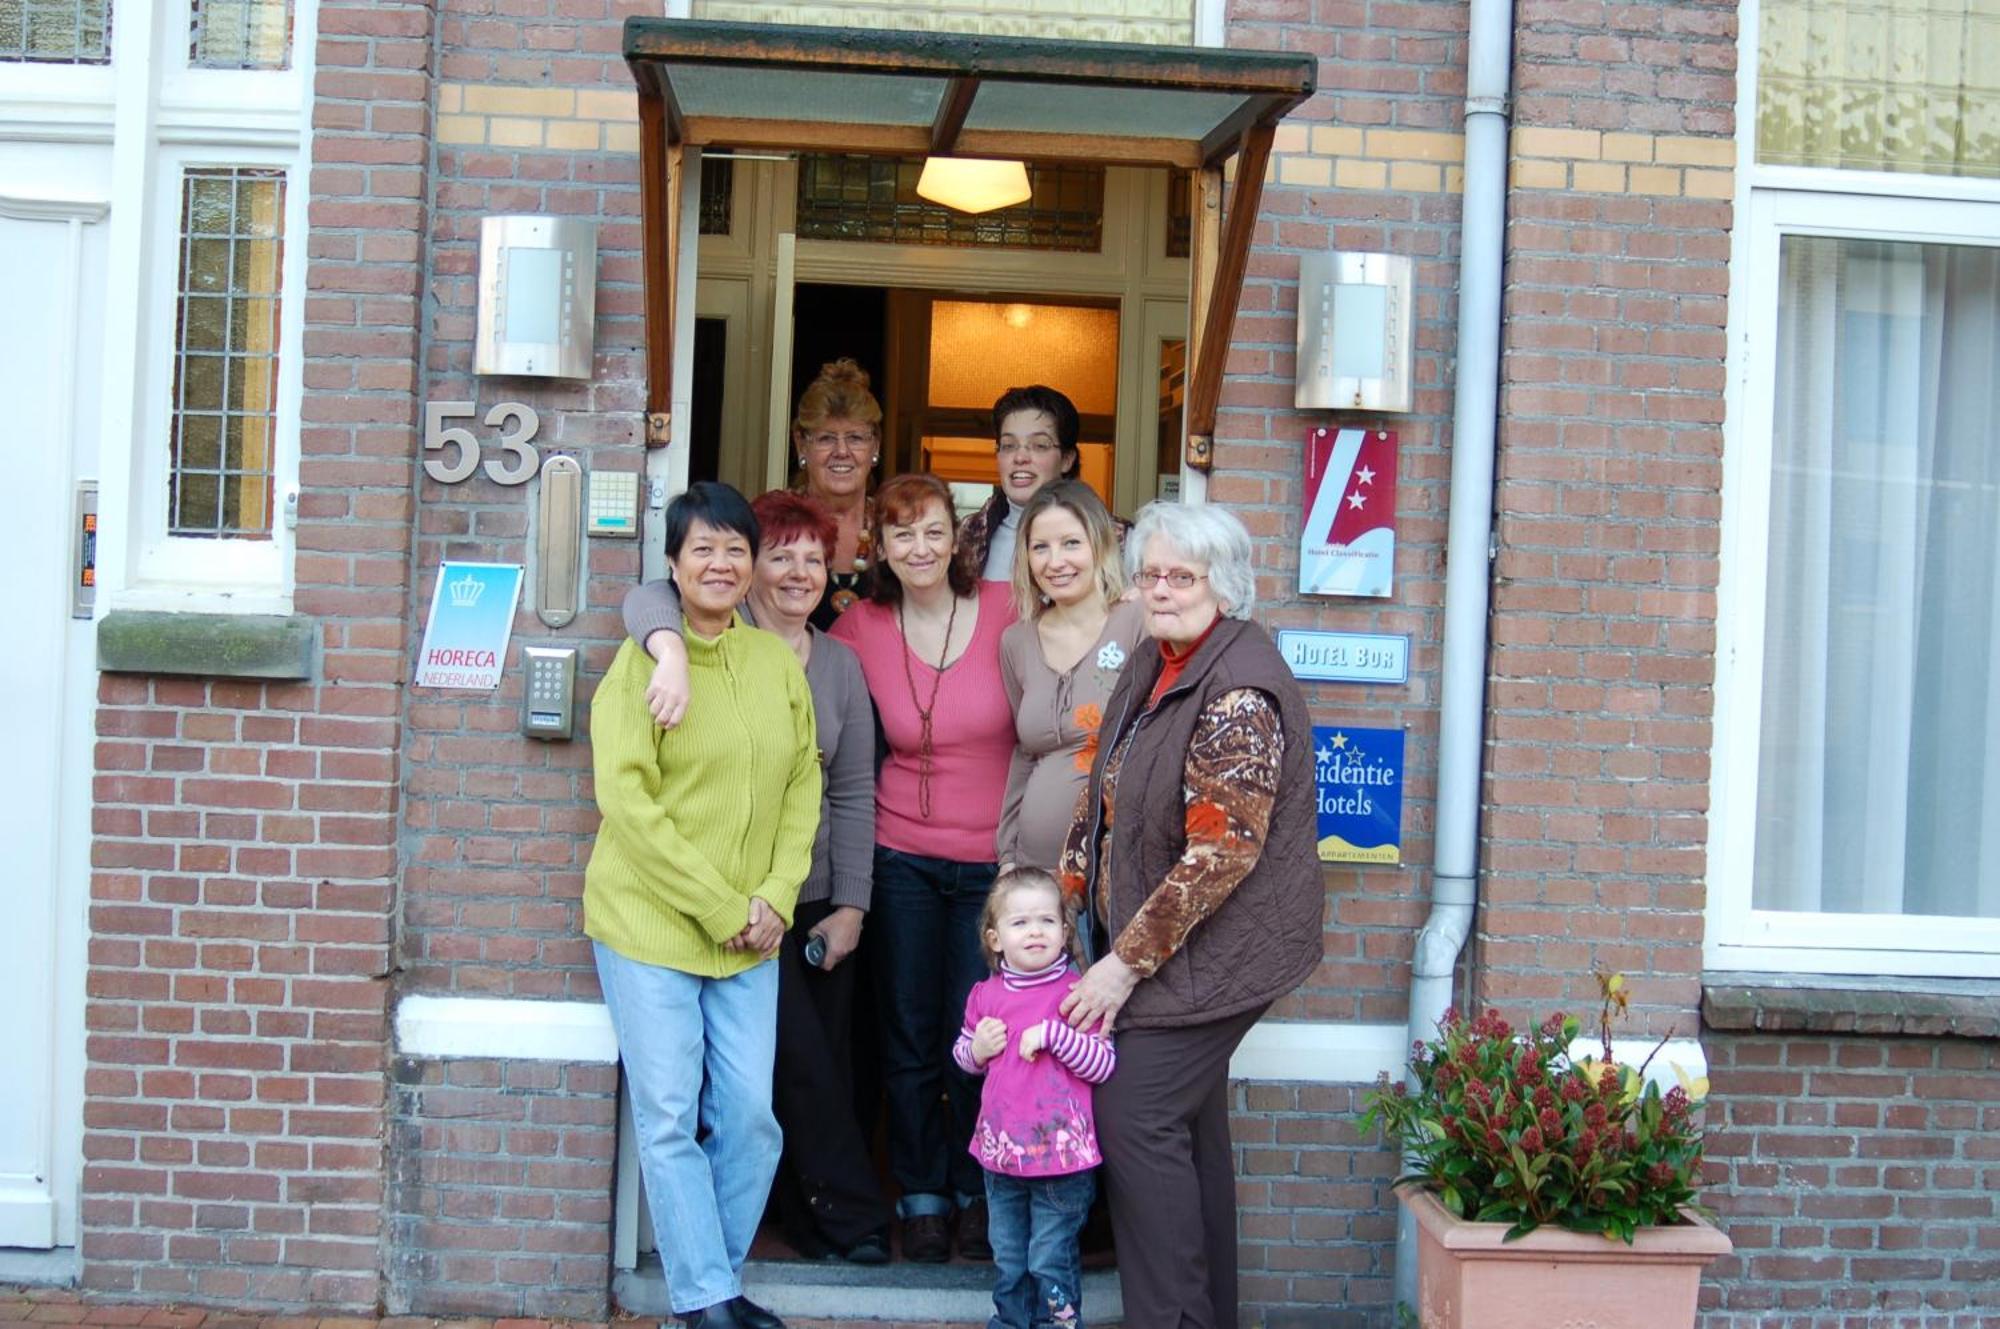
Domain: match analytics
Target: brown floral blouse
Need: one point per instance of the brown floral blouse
(1229, 786)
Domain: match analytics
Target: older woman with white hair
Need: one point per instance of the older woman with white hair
(1194, 858)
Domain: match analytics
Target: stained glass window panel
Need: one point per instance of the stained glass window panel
(226, 352)
(55, 32)
(240, 34)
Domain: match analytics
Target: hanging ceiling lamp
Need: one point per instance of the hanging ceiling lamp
(971, 184)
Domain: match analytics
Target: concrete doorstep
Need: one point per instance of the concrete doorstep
(944, 1295)
(845, 1303)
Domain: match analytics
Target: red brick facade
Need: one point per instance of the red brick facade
(276, 864)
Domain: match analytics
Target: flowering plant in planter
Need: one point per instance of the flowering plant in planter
(1506, 1127)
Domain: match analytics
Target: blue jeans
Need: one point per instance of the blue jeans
(924, 928)
(1038, 1270)
(706, 1195)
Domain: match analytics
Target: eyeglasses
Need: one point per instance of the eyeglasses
(827, 442)
(1027, 447)
(1180, 578)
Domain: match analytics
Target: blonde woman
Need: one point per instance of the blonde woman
(1060, 662)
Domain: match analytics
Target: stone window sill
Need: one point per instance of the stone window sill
(1828, 1004)
(268, 646)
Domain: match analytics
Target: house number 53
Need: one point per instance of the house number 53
(521, 462)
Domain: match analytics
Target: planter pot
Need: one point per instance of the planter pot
(1468, 1278)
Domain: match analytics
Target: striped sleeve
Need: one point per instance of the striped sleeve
(961, 1052)
(1088, 1057)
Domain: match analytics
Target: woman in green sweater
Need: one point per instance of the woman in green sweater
(707, 834)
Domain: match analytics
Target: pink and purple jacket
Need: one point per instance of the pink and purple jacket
(1034, 1116)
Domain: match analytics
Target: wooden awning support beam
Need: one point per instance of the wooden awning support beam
(952, 109)
(1210, 342)
(660, 156)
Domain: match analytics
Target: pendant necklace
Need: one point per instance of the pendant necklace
(924, 749)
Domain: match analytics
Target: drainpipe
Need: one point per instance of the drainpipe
(1468, 550)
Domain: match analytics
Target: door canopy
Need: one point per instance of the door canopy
(767, 87)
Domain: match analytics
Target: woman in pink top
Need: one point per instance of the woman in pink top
(928, 636)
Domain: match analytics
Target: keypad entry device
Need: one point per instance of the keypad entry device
(548, 701)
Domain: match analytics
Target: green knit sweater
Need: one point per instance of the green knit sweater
(699, 818)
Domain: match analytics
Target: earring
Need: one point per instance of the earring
(872, 460)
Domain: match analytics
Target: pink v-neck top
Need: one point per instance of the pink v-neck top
(972, 731)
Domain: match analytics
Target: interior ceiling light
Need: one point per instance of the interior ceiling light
(970, 184)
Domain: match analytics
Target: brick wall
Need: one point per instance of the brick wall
(1371, 162)
(502, 1170)
(1314, 1207)
(496, 826)
(1858, 1178)
(1610, 467)
(244, 853)
(1389, 77)
(500, 1194)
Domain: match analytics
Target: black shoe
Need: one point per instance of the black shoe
(972, 1242)
(752, 1316)
(926, 1240)
(736, 1313)
(871, 1249)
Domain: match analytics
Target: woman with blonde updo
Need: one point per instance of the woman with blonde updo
(837, 436)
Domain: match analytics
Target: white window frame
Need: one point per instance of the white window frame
(1773, 202)
(188, 117)
(219, 563)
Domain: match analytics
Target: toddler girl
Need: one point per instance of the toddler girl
(1035, 1137)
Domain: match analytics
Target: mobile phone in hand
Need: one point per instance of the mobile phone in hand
(816, 950)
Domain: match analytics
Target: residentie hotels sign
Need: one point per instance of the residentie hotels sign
(1360, 777)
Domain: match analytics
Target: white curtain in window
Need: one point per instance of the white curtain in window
(1879, 760)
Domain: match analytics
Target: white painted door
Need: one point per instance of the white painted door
(51, 285)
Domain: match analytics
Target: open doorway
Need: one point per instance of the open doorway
(942, 331)
(939, 359)
(872, 105)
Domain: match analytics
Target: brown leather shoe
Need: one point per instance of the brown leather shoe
(972, 1240)
(926, 1240)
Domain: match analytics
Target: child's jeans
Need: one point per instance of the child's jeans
(1033, 1224)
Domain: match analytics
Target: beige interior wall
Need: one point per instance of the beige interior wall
(1159, 22)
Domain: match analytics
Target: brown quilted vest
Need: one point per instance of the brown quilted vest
(1268, 935)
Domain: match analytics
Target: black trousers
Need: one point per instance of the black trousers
(826, 1193)
(1163, 1127)
(924, 926)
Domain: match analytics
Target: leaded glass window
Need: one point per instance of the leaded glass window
(1180, 213)
(226, 355)
(846, 197)
(718, 186)
(1880, 85)
(240, 34)
(55, 32)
